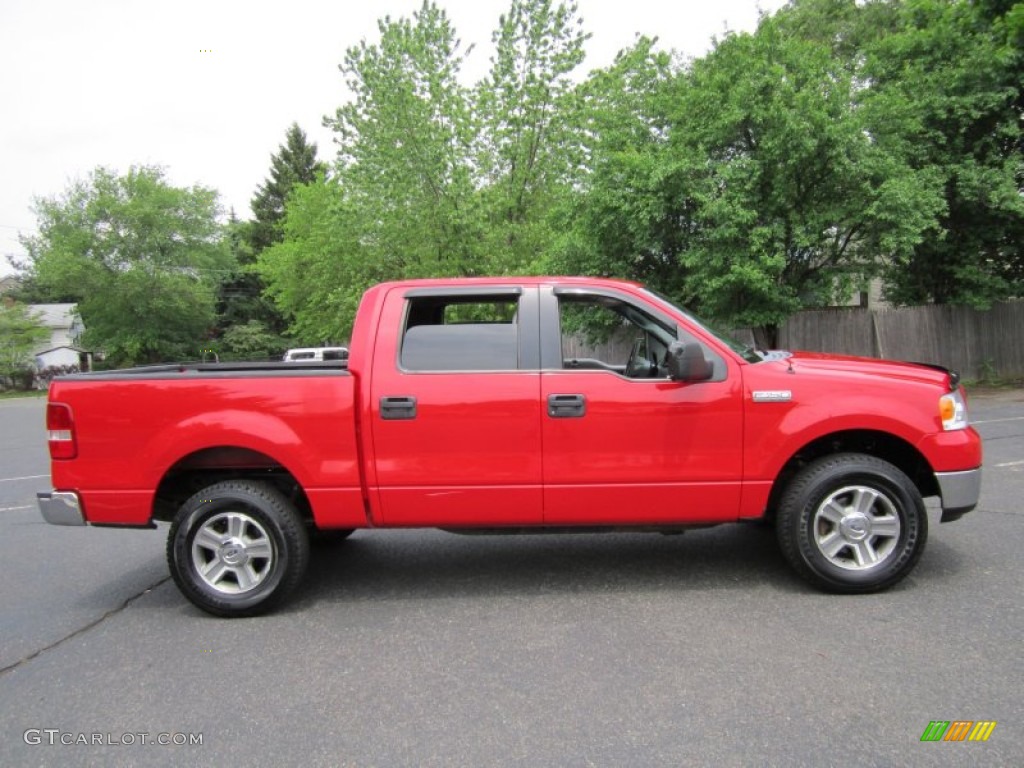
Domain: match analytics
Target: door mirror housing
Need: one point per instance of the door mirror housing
(686, 362)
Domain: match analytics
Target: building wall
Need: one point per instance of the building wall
(56, 358)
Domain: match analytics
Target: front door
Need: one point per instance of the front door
(624, 445)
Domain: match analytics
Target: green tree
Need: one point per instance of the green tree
(404, 143)
(142, 259)
(20, 335)
(295, 163)
(241, 302)
(528, 143)
(745, 184)
(432, 178)
(793, 201)
(946, 94)
(401, 200)
(318, 273)
(251, 340)
(627, 215)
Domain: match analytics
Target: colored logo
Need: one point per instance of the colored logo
(958, 730)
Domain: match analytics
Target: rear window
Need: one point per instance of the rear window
(461, 333)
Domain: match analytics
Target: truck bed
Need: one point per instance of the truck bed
(137, 428)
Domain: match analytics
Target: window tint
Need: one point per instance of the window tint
(461, 333)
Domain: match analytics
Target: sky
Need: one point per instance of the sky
(207, 88)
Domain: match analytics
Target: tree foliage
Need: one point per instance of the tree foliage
(527, 149)
(20, 335)
(242, 301)
(622, 217)
(432, 178)
(142, 259)
(404, 143)
(317, 275)
(946, 93)
(398, 202)
(248, 322)
(251, 340)
(295, 163)
(794, 203)
(842, 140)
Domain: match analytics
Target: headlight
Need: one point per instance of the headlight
(953, 411)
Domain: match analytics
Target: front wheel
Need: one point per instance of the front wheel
(237, 548)
(852, 523)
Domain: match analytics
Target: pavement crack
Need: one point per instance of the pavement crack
(86, 628)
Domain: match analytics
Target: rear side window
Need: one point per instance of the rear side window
(461, 333)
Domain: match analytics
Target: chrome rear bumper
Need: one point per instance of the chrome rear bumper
(61, 508)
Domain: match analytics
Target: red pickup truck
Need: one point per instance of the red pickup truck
(507, 404)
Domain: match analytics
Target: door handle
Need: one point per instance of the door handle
(567, 406)
(397, 408)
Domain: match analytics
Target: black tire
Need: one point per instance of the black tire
(852, 523)
(237, 548)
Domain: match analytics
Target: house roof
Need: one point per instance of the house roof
(54, 315)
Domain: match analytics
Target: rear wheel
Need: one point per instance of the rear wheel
(852, 523)
(237, 548)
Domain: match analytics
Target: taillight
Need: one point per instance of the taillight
(60, 431)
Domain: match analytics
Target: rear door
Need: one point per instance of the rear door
(455, 407)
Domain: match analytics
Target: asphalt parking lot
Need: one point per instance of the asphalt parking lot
(421, 648)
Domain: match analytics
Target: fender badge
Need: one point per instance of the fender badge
(773, 396)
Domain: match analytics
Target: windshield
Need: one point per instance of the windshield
(745, 351)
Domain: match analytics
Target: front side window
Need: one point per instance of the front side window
(461, 333)
(607, 333)
(745, 351)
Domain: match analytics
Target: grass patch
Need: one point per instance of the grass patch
(13, 394)
(994, 383)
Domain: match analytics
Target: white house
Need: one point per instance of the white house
(65, 326)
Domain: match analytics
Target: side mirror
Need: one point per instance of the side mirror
(686, 362)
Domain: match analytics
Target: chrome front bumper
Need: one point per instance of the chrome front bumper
(61, 508)
(960, 492)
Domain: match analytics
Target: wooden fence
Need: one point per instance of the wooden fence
(980, 344)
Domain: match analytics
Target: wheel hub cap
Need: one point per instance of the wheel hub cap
(233, 553)
(855, 527)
